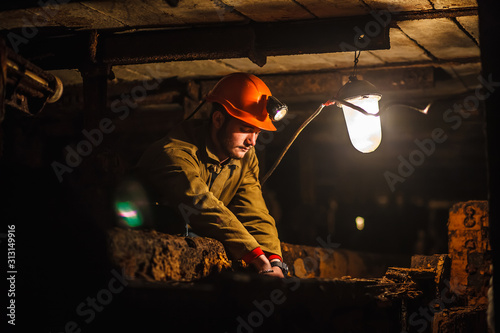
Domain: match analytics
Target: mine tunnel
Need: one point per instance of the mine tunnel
(364, 185)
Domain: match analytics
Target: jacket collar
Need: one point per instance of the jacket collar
(211, 155)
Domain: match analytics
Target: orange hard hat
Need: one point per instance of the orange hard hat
(244, 96)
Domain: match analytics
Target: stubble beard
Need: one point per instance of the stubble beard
(225, 142)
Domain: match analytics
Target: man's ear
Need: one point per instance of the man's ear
(218, 119)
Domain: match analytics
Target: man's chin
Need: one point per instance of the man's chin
(237, 156)
(238, 153)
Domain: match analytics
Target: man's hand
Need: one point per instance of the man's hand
(262, 264)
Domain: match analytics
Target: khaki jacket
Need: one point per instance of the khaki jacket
(221, 201)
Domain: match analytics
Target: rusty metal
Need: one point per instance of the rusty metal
(26, 80)
(470, 250)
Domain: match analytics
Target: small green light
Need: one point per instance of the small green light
(128, 214)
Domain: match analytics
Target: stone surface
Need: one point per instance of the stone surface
(155, 256)
(329, 262)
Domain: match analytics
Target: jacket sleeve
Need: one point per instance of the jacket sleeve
(176, 176)
(249, 206)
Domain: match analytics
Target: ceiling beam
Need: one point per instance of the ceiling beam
(254, 40)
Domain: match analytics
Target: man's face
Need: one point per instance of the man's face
(236, 137)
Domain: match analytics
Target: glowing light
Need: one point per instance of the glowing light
(360, 223)
(365, 131)
(130, 216)
(131, 205)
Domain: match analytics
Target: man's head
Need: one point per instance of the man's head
(232, 137)
(245, 97)
(240, 112)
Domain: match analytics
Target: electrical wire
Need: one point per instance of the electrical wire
(308, 120)
(195, 110)
(424, 111)
(318, 111)
(295, 135)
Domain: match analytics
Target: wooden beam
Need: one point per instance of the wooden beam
(254, 40)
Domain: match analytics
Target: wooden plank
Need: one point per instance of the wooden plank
(334, 8)
(307, 62)
(395, 6)
(269, 11)
(156, 12)
(197, 11)
(304, 62)
(77, 15)
(279, 64)
(444, 4)
(345, 60)
(182, 69)
(403, 49)
(20, 18)
(471, 24)
(133, 13)
(286, 86)
(447, 41)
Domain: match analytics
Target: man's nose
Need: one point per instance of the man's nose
(252, 139)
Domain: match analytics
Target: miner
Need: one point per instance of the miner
(207, 172)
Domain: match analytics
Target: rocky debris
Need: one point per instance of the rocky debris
(156, 256)
(184, 276)
(328, 261)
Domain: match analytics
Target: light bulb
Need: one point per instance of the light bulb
(360, 223)
(365, 131)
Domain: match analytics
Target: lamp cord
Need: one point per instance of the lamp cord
(305, 123)
(356, 59)
(424, 110)
(195, 110)
(295, 135)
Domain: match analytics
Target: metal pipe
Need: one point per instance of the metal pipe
(31, 79)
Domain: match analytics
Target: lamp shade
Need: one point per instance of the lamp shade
(364, 130)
